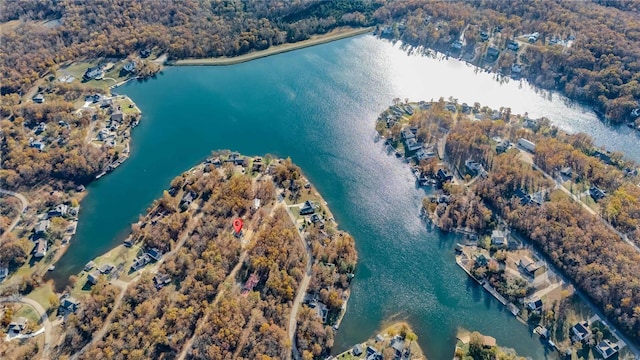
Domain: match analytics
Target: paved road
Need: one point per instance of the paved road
(25, 204)
(43, 318)
(302, 290)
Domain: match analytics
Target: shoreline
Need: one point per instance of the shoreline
(334, 35)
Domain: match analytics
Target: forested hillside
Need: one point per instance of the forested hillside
(41, 34)
(587, 50)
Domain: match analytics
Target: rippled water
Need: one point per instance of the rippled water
(318, 105)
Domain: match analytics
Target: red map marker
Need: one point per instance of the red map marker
(237, 225)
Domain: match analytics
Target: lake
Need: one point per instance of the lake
(318, 106)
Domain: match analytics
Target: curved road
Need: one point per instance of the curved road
(43, 318)
(25, 204)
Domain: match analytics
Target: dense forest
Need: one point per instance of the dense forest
(600, 66)
(206, 311)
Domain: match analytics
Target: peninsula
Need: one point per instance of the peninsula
(507, 181)
(188, 285)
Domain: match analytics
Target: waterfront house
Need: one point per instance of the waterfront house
(607, 349)
(530, 123)
(68, 305)
(90, 265)
(41, 227)
(407, 134)
(605, 157)
(187, 199)
(38, 99)
(18, 325)
(93, 277)
(93, 73)
(357, 350)
(40, 249)
(411, 146)
(106, 268)
(481, 260)
(534, 305)
(451, 107)
(499, 238)
(372, 354)
(161, 280)
(59, 210)
(144, 53)
(117, 116)
(596, 193)
(516, 69)
(456, 45)
(129, 67)
(492, 54)
(580, 332)
(307, 208)
(128, 242)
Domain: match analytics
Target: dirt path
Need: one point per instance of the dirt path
(124, 285)
(302, 290)
(25, 204)
(43, 318)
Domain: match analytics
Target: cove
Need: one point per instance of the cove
(318, 106)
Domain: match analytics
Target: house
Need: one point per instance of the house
(161, 280)
(154, 254)
(372, 354)
(534, 305)
(525, 198)
(307, 208)
(68, 305)
(357, 350)
(481, 260)
(93, 277)
(41, 128)
(187, 199)
(106, 103)
(596, 193)
(93, 73)
(144, 53)
(4, 273)
(466, 109)
(566, 171)
(18, 325)
(90, 265)
(530, 123)
(605, 157)
(534, 37)
(322, 311)
(412, 145)
(492, 54)
(397, 344)
(129, 67)
(499, 238)
(484, 36)
(139, 262)
(39, 99)
(128, 242)
(450, 107)
(513, 45)
(59, 210)
(531, 267)
(607, 349)
(40, 249)
(580, 331)
(117, 116)
(443, 176)
(516, 69)
(456, 45)
(37, 145)
(527, 145)
(106, 269)
(407, 134)
(42, 227)
(475, 168)
(488, 341)
(503, 146)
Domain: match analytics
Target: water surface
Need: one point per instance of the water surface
(318, 106)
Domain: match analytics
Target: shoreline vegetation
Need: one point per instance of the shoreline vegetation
(394, 341)
(333, 35)
(503, 181)
(185, 249)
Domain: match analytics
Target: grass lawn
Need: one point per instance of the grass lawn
(41, 295)
(29, 313)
